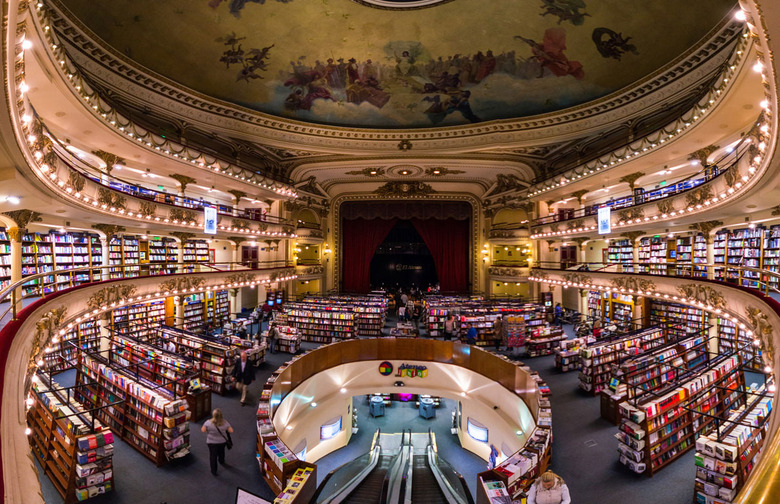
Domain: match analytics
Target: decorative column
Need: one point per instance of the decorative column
(583, 301)
(15, 234)
(581, 241)
(104, 325)
(634, 236)
(237, 195)
(235, 302)
(183, 238)
(183, 181)
(178, 303)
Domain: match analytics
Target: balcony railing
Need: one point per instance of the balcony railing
(709, 173)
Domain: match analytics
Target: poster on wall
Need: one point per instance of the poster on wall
(330, 429)
(476, 430)
(209, 220)
(605, 220)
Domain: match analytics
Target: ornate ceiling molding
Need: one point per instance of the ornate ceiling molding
(128, 78)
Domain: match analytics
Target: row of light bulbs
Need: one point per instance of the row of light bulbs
(147, 138)
(646, 144)
(137, 299)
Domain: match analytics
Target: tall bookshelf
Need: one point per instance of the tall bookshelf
(731, 339)
(658, 428)
(620, 252)
(151, 419)
(74, 449)
(64, 355)
(771, 256)
(719, 259)
(162, 255)
(193, 312)
(196, 251)
(699, 256)
(37, 257)
(618, 309)
(136, 320)
(124, 251)
(744, 249)
(5, 259)
(678, 320)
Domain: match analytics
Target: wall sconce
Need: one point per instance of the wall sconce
(326, 250)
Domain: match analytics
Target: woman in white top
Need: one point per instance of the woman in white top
(549, 489)
(217, 429)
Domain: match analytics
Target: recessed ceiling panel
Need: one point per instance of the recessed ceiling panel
(343, 62)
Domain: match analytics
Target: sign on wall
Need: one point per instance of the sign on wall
(605, 220)
(210, 220)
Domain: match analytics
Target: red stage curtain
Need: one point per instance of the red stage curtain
(448, 242)
(361, 239)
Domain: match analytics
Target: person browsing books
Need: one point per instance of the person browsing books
(218, 432)
(244, 373)
(549, 489)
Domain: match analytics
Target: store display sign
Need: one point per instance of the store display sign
(385, 369)
(330, 429)
(412, 371)
(210, 220)
(605, 220)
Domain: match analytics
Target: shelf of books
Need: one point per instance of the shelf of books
(193, 312)
(5, 259)
(657, 428)
(74, 449)
(691, 251)
(161, 255)
(598, 358)
(64, 355)
(699, 256)
(725, 457)
(172, 371)
(216, 358)
(37, 257)
(719, 258)
(731, 339)
(567, 356)
(771, 255)
(594, 304)
(196, 251)
(221, 306)
(678, 320)
(136, 320)
(743, 248)
(652, 370)
(544, 340)
(510, 480)
(618, 309)
(321, 322)
(621, 252)
(123, 251)
(151, 419)
(289, 339)
(369, 319)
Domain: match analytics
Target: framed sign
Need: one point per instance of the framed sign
(209, 220)
(605, 220)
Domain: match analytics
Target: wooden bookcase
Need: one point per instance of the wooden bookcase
(64, 355)
(679, 321)
(124, 251)
(138, 319)
(658, 428)
(321, 322)
(731, 339)
(150, 419)
(75, 450)
(598, 358)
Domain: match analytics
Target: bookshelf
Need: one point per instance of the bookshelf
(621, 252)
(567, 356)
(289, 339)
(771, 255)
(730, 340)
(160, 256)
(64, 355)
(658, 428)
(598, 358)
(743, 248)
(196, 251)
(699, 256)
(725, 457)
(75, 450)
(369, 319)
(678, 320)
(544, 341)
(5, 259)
(216, 358)
(151, 419)
(618, 309)
(321, 322)
(193, 308)
(138, 319)
(37, 257)
(123, 251)
(719, 247)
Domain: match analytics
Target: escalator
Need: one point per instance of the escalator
(369, 491)
(425, 488)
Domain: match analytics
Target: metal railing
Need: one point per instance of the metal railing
(742, 276)
(36, 286)
(705, 175)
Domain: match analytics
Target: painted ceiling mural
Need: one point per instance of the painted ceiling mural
(364, 63)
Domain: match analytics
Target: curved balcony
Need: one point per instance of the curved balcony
(200, 155)
(751, 309)
(698, 194)
(309, 271)
(69, 177)
(508, 272)
(507, 234)
(309, 233)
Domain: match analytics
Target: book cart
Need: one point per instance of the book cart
(597, 358)
(658, 427)
(726, 456)
(73, 448)
(152, 420)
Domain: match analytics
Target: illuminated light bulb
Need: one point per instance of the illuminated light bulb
(27, 431)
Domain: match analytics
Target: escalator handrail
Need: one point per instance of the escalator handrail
(394, 477)
(450, 493)
(356, 480)
(406, 488)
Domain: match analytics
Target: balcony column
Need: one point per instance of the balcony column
(180, 255)
(16, 234)
(583, 301)
(104, 241)
(178, 303)
(104, 326)
(235, 301)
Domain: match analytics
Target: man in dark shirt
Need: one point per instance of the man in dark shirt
(244, 373)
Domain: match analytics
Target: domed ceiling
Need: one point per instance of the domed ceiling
(402, 63)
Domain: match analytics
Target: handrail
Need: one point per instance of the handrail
(149, 194)
(707, 271)
(406, 488)
(452, 496)
(357, 479)
(394, 478)
(633, 200)
(11, 294)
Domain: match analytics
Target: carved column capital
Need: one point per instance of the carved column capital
(16, 234)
